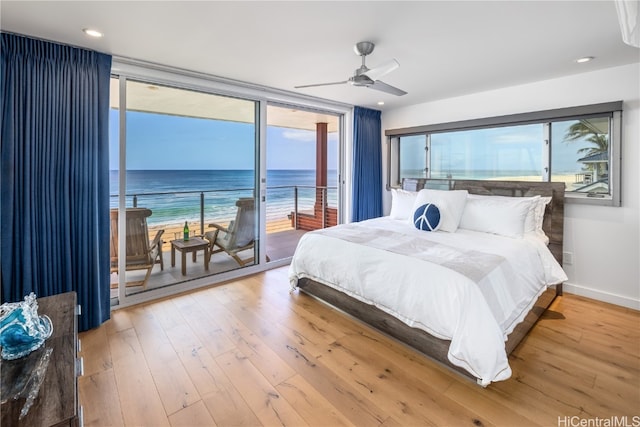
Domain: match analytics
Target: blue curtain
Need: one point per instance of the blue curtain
(55, 174)
(367, 164)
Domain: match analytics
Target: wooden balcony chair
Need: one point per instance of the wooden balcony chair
(239, 236)
(141, 254)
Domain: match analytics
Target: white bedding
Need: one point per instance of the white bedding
(397, 271)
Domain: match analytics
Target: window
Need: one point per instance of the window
(492, 153)
(578, 146)
(413, 157)
(580, 155)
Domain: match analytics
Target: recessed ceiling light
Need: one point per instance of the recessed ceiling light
(380, 102)
(584, 59)
(92, 33)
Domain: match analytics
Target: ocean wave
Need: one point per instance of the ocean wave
(178, 196)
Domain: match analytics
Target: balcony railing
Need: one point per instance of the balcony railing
(287, 207)
(290, 211)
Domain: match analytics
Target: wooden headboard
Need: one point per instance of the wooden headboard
(553, 223)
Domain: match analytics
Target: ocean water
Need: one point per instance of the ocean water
(174, 196)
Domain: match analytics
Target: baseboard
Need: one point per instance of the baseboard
(601, 296)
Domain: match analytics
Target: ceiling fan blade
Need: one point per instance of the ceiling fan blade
(383, 87)
(321, 84)
(384, 69)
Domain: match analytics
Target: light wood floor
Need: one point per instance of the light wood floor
(249, 353)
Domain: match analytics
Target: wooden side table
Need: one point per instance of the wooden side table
(57, 400)
(193, 245)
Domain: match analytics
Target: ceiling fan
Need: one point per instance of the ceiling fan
(367, 77)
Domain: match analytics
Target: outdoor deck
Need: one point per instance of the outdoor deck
(280, 245)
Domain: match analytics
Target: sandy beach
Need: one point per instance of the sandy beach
(568, 179)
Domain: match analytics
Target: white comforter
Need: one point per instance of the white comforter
(468, 287)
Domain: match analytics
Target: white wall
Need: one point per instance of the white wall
(605, 241)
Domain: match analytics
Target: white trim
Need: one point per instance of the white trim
(222, 86)
(261, 164)
(601, 296)
(122, 191)
(546, 152)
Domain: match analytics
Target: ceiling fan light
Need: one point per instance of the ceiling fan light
(361, 80)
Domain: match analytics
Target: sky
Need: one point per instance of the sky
(165, 142)
(156, 141)
(497, 148)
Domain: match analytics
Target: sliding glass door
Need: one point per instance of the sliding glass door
(183, 174)
(211, 181)
(302, 176)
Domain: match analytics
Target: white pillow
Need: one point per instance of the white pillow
(504, 216)
(530, 221)
(539, 209)
(450, 203)
(402, 204)
(535, 217)
(541, 206)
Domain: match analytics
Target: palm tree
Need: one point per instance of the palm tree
(583, 130)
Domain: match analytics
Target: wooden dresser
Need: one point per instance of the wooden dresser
(57, 400)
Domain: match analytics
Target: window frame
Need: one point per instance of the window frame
(546, 117)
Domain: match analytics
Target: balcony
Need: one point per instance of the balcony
(291, 211)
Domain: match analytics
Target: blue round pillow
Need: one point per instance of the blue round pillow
(427, 217)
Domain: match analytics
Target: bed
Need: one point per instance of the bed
(466, 297)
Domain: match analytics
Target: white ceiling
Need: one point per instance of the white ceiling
(445, 48)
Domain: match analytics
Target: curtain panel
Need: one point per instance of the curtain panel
(367, 164)
(55, 174)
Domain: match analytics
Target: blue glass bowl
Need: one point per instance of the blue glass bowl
(21, 329)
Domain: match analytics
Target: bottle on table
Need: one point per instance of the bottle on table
(186, 231)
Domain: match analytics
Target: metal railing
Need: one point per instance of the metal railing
(205, 206)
